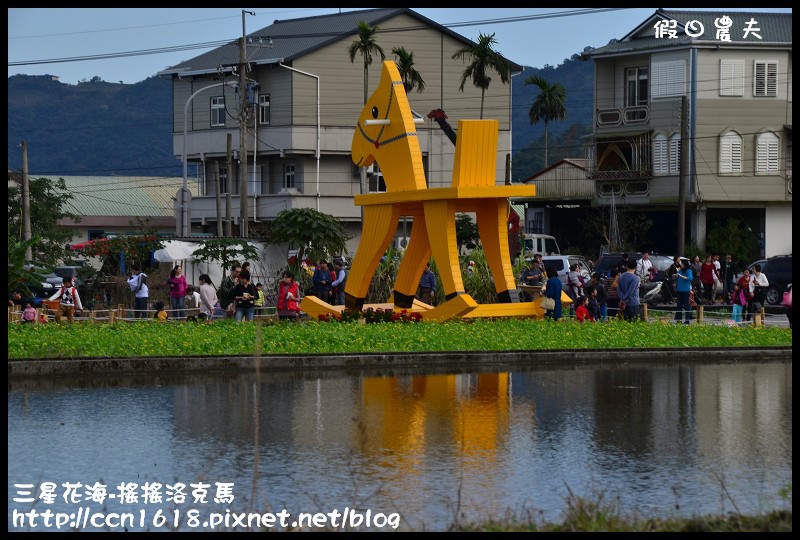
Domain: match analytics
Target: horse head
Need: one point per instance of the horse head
(386, 133)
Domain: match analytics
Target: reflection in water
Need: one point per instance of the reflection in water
(438, 448)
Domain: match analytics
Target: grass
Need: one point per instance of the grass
(226, 337)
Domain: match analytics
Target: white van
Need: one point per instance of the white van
(540, 243)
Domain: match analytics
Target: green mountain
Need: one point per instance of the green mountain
(92, 128)
(99, 128)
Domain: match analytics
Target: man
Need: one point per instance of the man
(16, 299)
(623, 264)
(628, 291)
(339, 283)
(758, 287)
(602, 295)
(70, 300)
(321, 281)
(727, 273)
(531, 276)
(427, 285)
(226, 294)
(643, 266)
(138, 284)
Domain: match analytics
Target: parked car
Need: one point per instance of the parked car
(562, 263)
(778, 270)
(607, 261)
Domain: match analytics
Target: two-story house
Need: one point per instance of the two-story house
(723, 81)
(306, 95)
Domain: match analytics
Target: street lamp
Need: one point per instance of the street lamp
(184, 230)
(316, 77)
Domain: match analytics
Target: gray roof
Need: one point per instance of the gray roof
(294, 38)
(774, 29)
(142, 196)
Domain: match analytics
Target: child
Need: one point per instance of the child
(28, 314)
(593, 306)
(161, 313)
(260, 299)
(581, 309)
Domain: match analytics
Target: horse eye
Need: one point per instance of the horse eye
(374, 112)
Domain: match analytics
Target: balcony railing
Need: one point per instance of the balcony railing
(627, 116)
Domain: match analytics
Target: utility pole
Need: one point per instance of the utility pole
(218, 200)
(243, 110)
(26, 202)
(684, 176)
(228, 188)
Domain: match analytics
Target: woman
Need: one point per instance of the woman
(683, 288)
(208, 297)
(177, 292)
(245, 294)
(552, 289)
(707, 274)
(288, 297)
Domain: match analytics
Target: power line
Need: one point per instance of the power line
(211, 44)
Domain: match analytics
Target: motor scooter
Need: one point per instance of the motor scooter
(650, 292)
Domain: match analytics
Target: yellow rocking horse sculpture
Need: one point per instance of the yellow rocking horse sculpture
(386, 133)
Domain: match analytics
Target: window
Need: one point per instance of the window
(217, 111)
(767, 145)
(223, 180)
(375, 181)
(660, 155)
(95, 234)
(669, 79)
(765, 79)
(263, 109)
(731, 77)
(636, 86)
(288, 176)
(675, 154)
(730, 153)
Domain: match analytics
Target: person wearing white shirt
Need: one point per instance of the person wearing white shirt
(643, 267)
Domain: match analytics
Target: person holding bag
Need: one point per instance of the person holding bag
(288, 298)
(551, 290)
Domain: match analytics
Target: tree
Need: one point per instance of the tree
(315, 234)
(548, 105)
(408, 74)
(49, 203)
(23, 277)
(482, 58)
(225, 250)
(466, 231)
(120, 252)
(367, 47)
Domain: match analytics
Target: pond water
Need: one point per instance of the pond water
(419, 452)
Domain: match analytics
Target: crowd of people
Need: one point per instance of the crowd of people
(688, 282)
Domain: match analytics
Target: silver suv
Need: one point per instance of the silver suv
(562, 263)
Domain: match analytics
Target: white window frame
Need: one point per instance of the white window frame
(730, 153)
(289, 176)
(767, 153)
(223, 179)
(217, 111)
(765, 78)
(731, 77)
(668, 79)
(675, 154)
(263, 110)
(638, 76)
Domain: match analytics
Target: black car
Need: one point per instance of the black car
(607, 261)
(778, 270)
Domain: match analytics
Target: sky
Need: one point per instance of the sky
(527, 36)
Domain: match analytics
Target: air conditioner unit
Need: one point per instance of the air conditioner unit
(401, 243)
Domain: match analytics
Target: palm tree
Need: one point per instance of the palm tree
(405, 65)
(367, 47)
(548, 105)
(482, 58)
